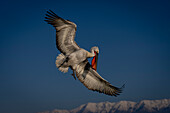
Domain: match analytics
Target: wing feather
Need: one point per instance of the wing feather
(65, 33)
(93, 81)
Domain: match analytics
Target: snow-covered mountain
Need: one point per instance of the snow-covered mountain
(144, 106)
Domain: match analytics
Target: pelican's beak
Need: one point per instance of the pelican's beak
(94, 61)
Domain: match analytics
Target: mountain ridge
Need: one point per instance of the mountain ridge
(144, 106)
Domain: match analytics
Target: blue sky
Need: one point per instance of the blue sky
(133, 38)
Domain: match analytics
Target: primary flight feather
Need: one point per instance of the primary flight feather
(76, 58)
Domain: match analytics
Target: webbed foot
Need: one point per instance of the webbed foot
(73, 74)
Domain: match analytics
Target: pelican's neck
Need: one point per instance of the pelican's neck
(90, 54)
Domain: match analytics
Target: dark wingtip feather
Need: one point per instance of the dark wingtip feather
(121, 89)
(52, 12)
(50, 17)
(123, 86)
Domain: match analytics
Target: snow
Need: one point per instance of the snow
(122, 106)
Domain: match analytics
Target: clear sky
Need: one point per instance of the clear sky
(134, 41)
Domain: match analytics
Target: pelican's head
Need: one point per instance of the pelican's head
(95, 52)
(95, 49)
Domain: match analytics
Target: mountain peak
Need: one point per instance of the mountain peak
(153, 105)
(144, 106)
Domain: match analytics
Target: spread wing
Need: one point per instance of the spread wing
(93, 81)
(65, 33)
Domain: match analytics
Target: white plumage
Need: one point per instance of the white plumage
(76, 58)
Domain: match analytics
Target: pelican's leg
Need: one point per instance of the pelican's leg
(73, 74)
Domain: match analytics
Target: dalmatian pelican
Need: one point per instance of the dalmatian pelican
(76, 58)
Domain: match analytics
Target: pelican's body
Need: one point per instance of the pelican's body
(76, 58)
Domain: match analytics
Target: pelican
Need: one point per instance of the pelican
(76, 58)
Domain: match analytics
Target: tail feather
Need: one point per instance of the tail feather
(59, 61)
(63, 69)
